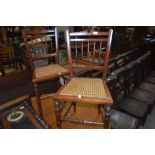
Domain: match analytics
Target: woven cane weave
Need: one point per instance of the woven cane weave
(86, 87)
(49, 70)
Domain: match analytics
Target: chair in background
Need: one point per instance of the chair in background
(12, 56)
(18, 56)
(13, 33)
(132, 83)
(86, 89)
(118, 119)
(43, 55)
(120, 61)
(120, 86)
(7, 56)
(125, 85)
(121, 120)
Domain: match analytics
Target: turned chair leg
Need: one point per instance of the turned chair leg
(38, 99)
(58, 114)
(99, 108)
(107, 109)
(74, 106)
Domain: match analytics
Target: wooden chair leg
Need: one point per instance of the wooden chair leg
(99, 108)
(58, 114)
(107, 109)
(38, 99)
(74, 106)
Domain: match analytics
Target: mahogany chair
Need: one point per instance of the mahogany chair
(86, 89)
(42, 51)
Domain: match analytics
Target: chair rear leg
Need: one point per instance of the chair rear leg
(58, 114)
(107, 109)
(38, 99)
(99, 108)
(74, 106)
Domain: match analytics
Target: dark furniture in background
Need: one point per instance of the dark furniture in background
(1, 37)
(2, 69)
(12, 56)
(18, 84)
(149, 44)
(132, 92)
(13, 34)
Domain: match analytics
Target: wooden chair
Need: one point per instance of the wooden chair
(121, 120)
(132, 83)
(7, 56)
(120, 86)
(43, 53)
(120, 61)
(13, 33)
(144, 66)
(86, 89)
(118, 119)
(132, 75)
(124, 103)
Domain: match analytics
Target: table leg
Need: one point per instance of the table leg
(58, 114)
(107, 109)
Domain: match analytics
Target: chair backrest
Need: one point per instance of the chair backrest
(41, 45)
(144, 65)
(132, 75)
(111, 83)
(89, 50)
(120, 61)
(121, 84)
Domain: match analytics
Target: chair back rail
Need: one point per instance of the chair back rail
(89, 50)
(41, 44)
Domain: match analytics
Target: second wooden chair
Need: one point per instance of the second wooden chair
(43, 53)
